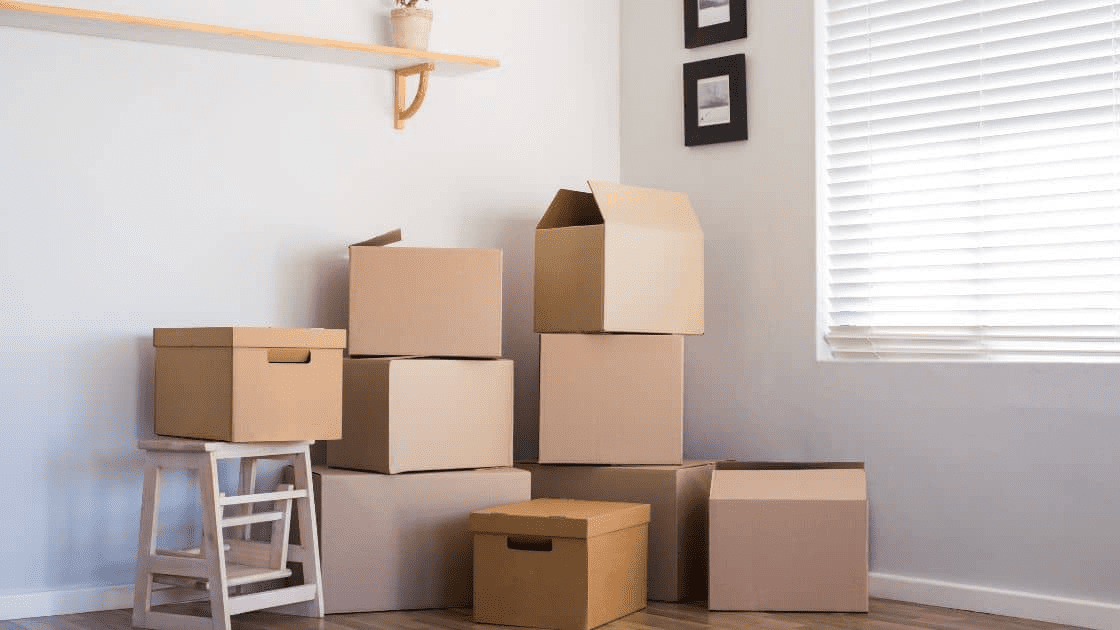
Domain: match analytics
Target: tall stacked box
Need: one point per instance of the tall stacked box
(427, 427)
(619, 277)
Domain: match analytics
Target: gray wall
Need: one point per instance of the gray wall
(997, 476)
(145, 185)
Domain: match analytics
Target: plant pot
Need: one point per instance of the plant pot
(411, 27)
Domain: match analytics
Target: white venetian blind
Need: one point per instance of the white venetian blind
(971, 158)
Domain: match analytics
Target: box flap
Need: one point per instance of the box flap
(774, 481)
(571, 208)
(249, 337)
(381, 240)
(646, 207)
(562, 518)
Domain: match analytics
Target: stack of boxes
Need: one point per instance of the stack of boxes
(427, 429)
(619, 280)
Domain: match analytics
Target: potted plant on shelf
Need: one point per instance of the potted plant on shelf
(412, 22)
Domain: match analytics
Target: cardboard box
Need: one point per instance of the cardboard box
(424, 301)
(619, 259)
(678, 526)
(611, 399)
(249, 384)
(408, 414)
(788, 537)
(551, 563)
(401, 542)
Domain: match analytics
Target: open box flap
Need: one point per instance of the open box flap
(381, 240)
(644, 207)
(570, 208)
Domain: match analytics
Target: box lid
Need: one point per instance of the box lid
(789, 481)
(612, 203)
(249, 337)
(685, 464)
(562, 518)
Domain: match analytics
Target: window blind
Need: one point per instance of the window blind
(971, 179)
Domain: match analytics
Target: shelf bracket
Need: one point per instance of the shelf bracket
(403, 113)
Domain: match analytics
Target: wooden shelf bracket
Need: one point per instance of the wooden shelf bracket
(403, 113)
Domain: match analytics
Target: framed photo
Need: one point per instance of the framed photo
(713, 21)
(715, 100)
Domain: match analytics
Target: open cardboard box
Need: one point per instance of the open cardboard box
(619, 259)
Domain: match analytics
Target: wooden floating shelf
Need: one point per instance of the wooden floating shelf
(157, 31)
(403, 61)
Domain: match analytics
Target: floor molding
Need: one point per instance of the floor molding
(79, 600)
(1073, 612)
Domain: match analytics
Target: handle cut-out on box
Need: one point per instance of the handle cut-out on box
(529, 543)
(289, 355)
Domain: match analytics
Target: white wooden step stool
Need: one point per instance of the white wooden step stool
(222, 562)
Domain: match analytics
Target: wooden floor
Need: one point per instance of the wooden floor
(884, 615)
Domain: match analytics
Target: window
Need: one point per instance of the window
(969, 164)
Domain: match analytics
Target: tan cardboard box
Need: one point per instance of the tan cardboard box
(408, 414)
(562, 564)
(249, 384)
(611, 399)
(678, 526)
(788, 537)
(401, 542)
(619, 259)
(424, 301)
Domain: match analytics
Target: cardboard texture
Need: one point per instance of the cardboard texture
(423, 301)
(569, 565)
(619, 259)
(249, 384)
(788, 537)
(402, 542)
(410, 414)
(611, 399)
(678, 527)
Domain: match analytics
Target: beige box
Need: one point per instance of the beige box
(619, 259)
(249, 384)
(678, 526)
(424, 301)
(409, 414)
(549, 563)
(401, 542)
(611, 399)
(788, 537)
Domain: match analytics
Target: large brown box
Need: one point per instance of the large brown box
(789, 537)
(678, 525)
(551, 563)
(424, 301)
(402, 542)
(249, 384)
(619, 259)
(611, 399)
(407, 414)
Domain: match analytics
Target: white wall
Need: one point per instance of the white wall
(994, 476)
(145, 185)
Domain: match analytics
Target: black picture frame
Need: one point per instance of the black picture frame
(722, 80)
(697, 30)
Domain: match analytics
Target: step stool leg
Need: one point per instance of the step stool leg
(149, 525)
(308, 552)
(213, 542)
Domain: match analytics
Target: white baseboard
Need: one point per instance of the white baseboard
(80, 600)
(1073, 612)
